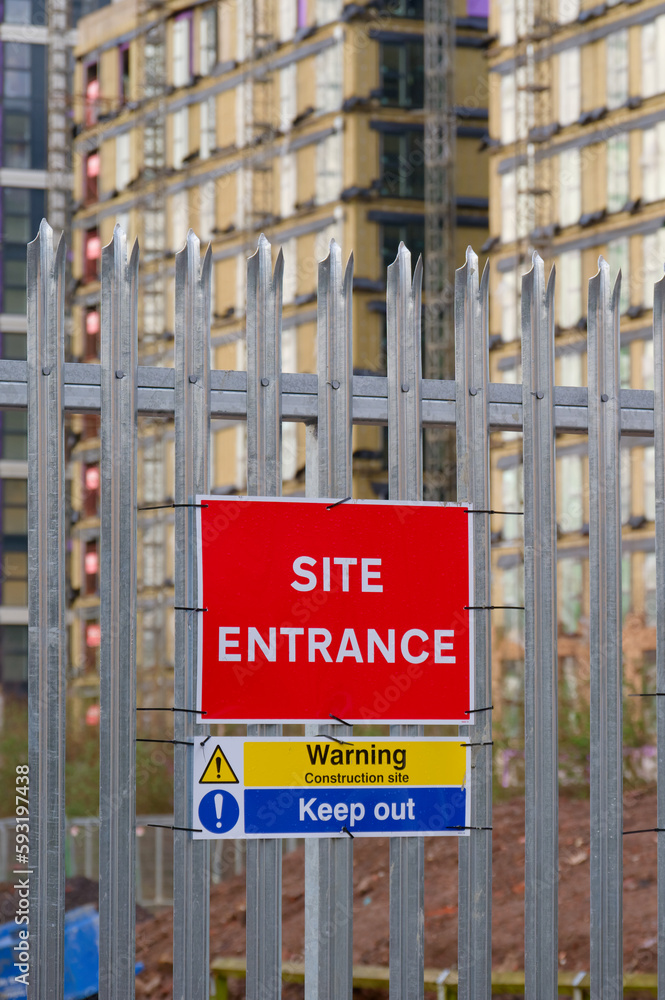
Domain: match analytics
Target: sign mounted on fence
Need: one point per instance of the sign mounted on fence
(312, 609)
(298, 787)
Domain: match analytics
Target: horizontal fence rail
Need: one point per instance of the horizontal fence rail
(330, 402)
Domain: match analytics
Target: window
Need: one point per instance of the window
(568, 11)
(287, 96)
(570, 187)
(513, 106)
(328, 10)
(569, 281)
(14, 499)
(412, 234)
(569, 86)
(647, 365)
(302, 13)
(624, 367)
(91, 568)
(153, 555)
(91, 484)
(23, 12)
(402, 74)
(626, 484)
(507, 35)
(181, 66)
(653, 250)
(508, 292)
(508, 207)
(329, 168)
(653, 65)
(290, 364)
(207, 40)
(330, 78)
(207, 211)
(180, 123)
(14, 656)
(123, 53)
(208, 127)
(92, 176)
(92, 327)
(123, 168)
(154, 60)
(512, 498)
(570, 595)
(14, 432)
(23, 106)
(91, 93)
(415, 9)
(513, 594)
(153, 147)
(618, 257)
(570, 368)
(570, 494)
(15, 571)
(179, 219)
(618, 176)
(92, 252)
(288, 184)
(653, 163)
(287, 19)
(617, 69)
(403, 165)
(153, 471)
(649, 482)
(22, 210)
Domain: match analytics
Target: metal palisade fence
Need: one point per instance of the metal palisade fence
(329, 403)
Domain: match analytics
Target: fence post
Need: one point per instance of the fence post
(264, 478)
(606, 858)
(47, 662)
(117, 666)
(407, 854)
(329, 862)
(191, 858)
(659, 463)
(472, 420)
(540, 636)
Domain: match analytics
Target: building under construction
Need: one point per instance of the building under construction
(304, 119)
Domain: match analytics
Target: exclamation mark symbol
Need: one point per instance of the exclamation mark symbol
(219, 802)
(218, 765)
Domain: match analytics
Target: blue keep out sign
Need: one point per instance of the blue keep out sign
(363, 811)
(219, 811)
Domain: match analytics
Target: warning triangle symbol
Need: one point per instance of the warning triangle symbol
(218, 771)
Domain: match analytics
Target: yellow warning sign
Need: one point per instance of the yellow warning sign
(218, 770)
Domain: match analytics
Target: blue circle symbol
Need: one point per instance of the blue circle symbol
(219, 811)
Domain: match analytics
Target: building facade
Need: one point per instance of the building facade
(577, 125)
(300, 118)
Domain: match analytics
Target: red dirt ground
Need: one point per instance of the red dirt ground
(371, 898)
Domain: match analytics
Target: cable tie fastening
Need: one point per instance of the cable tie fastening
(327, 736)
(337, 719)
(488, 743)
(516, 513)
(164, 826)
(337, 503)
(494, 607)
(347, 832)
(205, 740)
(145, 739)
(469, 828)
(651, 829)
(170, 506)
(472, 711)
(179, 607)
(190, 711)
(649, 694)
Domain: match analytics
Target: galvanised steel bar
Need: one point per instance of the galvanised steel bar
(606, 857)
(117, 663)
(407, 854)
(540, 637)
(329, 863)
(473, 487)
(264, 479)
(191, 859)
(659, 463)
(299, 398)
(47, 652)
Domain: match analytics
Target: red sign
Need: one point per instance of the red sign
(357, 610)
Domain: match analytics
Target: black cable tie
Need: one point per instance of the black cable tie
(331, 716)
(327, 736)
(488, 743)
(205, 740)
(472, 711)
(649, 694)
(517, 513)
(347, 832)
(164, 826)
(179, 607)
(190, 711)
(145, 739)
(494, 607)
(336, 504)
(170, 506)
(651, 829)
(469, 828)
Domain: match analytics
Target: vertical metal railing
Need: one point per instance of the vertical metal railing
(473, 487)
(117, 666)
(191, 858)
(264, 479)
(659, 484)
(329, 863)
(47, 657)
(405, 473)
(540, 637)
(606, 775)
